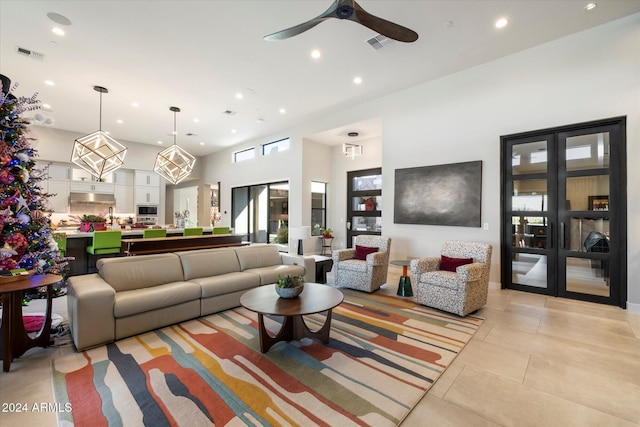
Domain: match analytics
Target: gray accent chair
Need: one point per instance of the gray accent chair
(363, 275)
(460, 292)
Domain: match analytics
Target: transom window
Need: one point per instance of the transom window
(275, 147)
(240, 156)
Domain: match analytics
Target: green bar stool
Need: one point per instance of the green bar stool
(61, 240)
(193, 231)
(104, 243)
(221, 230)
(154, 232)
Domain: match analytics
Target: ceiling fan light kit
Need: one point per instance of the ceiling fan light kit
(174, 163)
(98, 153)
(352, 11)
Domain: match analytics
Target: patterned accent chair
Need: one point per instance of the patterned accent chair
(460, 292)
(364, 275)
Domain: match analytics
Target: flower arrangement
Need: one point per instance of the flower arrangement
(327, 233)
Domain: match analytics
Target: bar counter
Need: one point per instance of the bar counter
(78, 241)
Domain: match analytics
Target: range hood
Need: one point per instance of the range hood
(105, 199)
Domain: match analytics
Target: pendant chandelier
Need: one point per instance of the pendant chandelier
(98, 153)
(174, 164)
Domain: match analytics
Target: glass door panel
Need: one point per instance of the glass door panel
(529, 157)
(589, 237)
(529, 270)
(588, 276)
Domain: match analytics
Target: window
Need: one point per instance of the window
(318, 207)
(275, 147)
(240, 156)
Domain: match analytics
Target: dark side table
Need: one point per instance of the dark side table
(14, 340)
(324, 265)
(404, 286)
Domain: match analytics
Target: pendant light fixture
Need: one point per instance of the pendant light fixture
(174, 164)
(98, 153)
(352, 150)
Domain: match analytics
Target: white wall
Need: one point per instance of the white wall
(586, 76)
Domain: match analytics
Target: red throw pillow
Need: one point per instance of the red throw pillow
(450, 264)
(363, 251)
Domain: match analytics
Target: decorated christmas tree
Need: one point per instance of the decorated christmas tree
(26, 240)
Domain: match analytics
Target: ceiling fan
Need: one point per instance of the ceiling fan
(349, 9)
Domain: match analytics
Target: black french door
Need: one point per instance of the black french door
(564, 211)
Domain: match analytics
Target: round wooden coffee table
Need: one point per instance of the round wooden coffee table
(315, 298)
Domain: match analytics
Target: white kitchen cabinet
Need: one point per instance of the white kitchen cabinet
(147, 189)
(60, 202)
(91, 187)
(123, 177)
(147, 178)
(124, 199)
(59, 172)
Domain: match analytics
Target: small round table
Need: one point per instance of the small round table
(315, 298)
(14, 338)
(404, 286)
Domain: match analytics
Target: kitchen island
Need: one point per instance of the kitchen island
(78, 241)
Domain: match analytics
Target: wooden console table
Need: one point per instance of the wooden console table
(157, 245)
(14, 340)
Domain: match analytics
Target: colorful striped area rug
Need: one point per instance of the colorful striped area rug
(384, 354)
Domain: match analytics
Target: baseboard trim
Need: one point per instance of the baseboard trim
(633, 307)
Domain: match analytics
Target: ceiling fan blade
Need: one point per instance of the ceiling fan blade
(301, 28)
(382, 26)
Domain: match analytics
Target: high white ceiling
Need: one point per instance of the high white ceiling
(198, 55)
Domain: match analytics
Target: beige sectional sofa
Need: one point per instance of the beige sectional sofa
(132, 295)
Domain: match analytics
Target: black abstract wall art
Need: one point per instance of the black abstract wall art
(439, 195)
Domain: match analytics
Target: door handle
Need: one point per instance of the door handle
(562, 235)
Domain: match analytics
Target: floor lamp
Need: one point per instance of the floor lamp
(298, 234)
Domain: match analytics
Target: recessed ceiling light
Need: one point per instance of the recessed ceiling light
(501, 23)
(135, 104)
(159, 142)
(590, 6)
(233, 131)
(119, 121)
(57, 31)
(49, 83)
(202, 143)
(315, 54)
(357, 80)
(196, 120)
(239, 95)
(282, 111)
(46, 106)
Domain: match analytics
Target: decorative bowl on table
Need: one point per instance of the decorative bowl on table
(289, 286)
(18, 276)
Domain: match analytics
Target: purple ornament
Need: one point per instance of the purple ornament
(6, 177)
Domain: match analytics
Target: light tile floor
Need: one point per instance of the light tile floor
(535, 361)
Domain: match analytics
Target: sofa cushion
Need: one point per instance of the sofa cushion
(226, 283)
(208, 262)
(142, 300)
(144, 271)
(258, 256)
(270, 274)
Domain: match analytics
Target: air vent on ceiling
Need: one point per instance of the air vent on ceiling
(29, 53)
(229, 113)
(379, 41)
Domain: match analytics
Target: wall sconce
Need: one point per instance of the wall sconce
(98, 153)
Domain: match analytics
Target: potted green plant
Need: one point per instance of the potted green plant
(289, 286)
